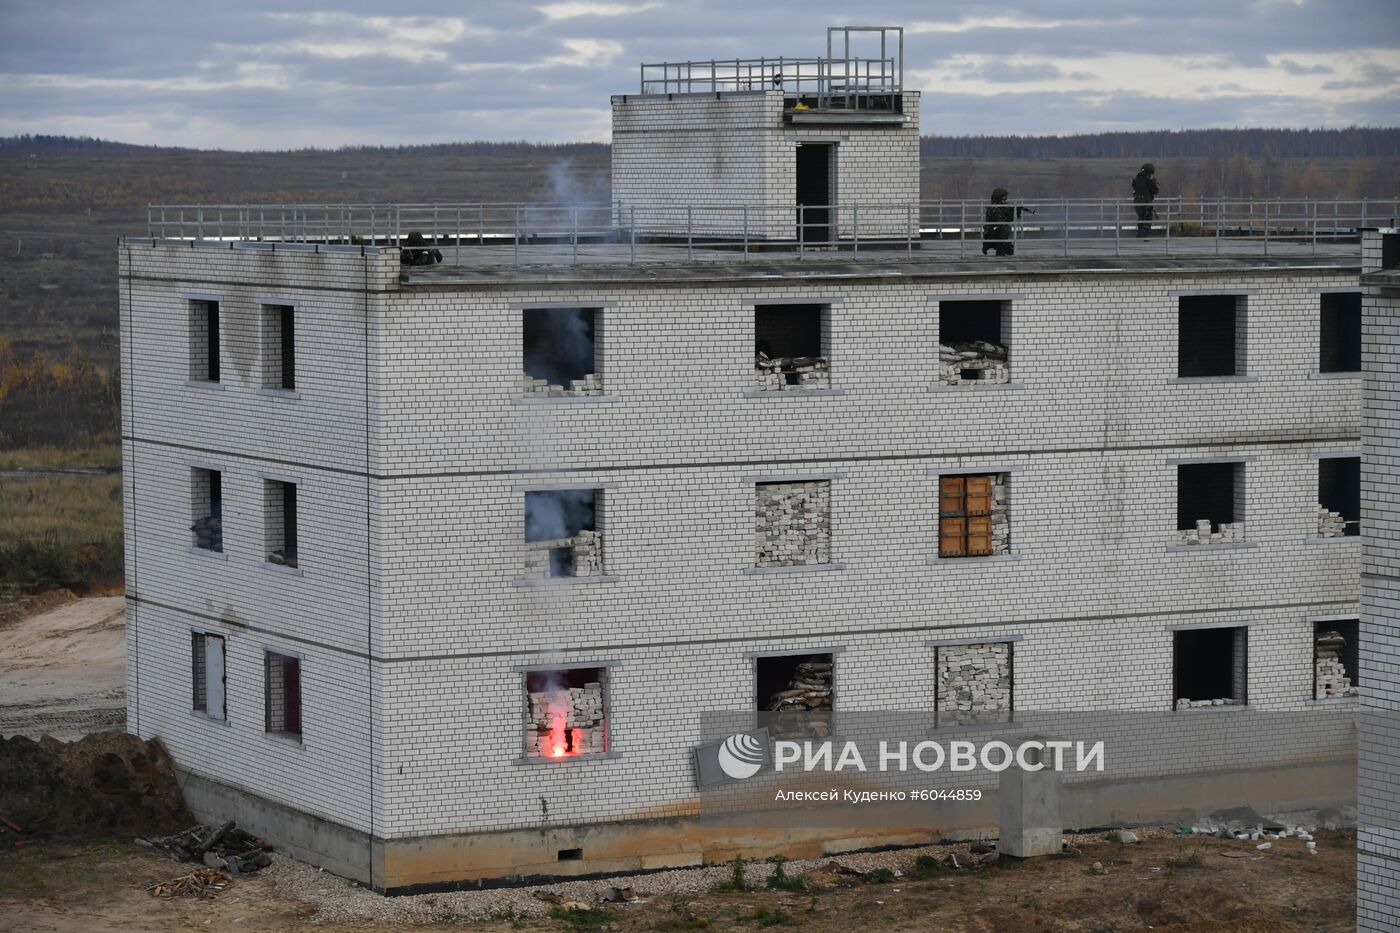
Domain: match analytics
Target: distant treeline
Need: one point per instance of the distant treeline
(1252, 143)
(60, 145)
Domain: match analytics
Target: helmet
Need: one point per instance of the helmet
(1149, 168)
(999, 193)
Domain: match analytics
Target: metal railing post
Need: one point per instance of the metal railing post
(1167, 235)
(1219, 221)
(632, 233)
(689, 232)
(801, 228)
(962, 229)
(746, 231)
(1117, 228)
(200, 229)
(855, 229)
(573, 234)
(1266, 228)
(516, 238)
(909, 230)
(1064, 218)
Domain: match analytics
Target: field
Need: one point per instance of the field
(63, 207)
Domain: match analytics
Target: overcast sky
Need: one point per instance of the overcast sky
(271, 74)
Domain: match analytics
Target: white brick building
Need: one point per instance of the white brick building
(457, 503)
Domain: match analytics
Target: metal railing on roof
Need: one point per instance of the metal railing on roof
(521, 233)
(835, 82)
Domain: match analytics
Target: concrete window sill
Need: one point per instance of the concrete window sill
(279, 393)
(790, 393)
(1335, 701)
(205, 384)
(796, 568)
(1212, 709)
(206, 552)
(1222, 546)
(283, 569)
(565, 759)
(205, 717)
(561, 399)
(286, 738)
(1006, 727)
(564, 581)
(971, 561)
(1196, 380)
(1318, 539)
(976, 386)
(1344, 374)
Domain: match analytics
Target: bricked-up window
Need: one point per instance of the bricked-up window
(793, 523)
(279, 347)
(973, 338)
(973, 515)
(1335, 659)
(795, 694)
(974, 683)
(1209, 503)
(204, 340)
(208, 674)
(566, 712)
(1210, 667)
(560, 348)
(1211, 335)
(792, 346)
(282, 693)
(207, 508)
(280, 522)
(1340, 333)
(1338, 496)
(563, 533)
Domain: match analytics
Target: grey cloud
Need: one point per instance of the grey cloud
(1293, 68)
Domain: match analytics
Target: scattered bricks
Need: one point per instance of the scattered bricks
(579, 556)
(974, 683)
(793, 523)
(1225, 533)
(1333, 679)
(970, 363)
(791, 372)
(1330, 524)
(566, 721)
(591, 384)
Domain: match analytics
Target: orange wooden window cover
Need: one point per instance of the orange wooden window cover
(964, 516)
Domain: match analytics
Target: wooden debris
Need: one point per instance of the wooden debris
(202, 882)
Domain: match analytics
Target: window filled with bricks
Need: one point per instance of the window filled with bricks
(282, 694)
(279, 347)
(207, 509)
(563, 533)
(560, 348)
(566, 712)
(1338, 497)
(1211, 335)
(1339, 337)
(973, 515)
(792, 346)
(208, 674)
(204, 340)
(1210, 667)
(1210, 503)
(973, 340)
(280, 522)
(795, 694)
(1335, 659)
(975, 683)
(793, 523)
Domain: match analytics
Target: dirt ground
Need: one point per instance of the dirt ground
(1163, 883)
(62, 671)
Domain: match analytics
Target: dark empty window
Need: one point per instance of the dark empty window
(972, 341)
(1211, 335)
(207, 508)
(1335, 658)
(279, 347)
(791, 346)
(1210, 492)
(1340, 333)
(560, 351)
(562, 534)
(282, 693)
(1339, 491)
(204, 340)
(280, 522)
(1210, 667)
(795, 694)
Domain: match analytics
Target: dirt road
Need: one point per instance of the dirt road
(62, 671)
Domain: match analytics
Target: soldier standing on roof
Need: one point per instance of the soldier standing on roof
(996, 234)
(1144, 191)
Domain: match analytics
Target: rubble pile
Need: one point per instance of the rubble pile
(198, 883)
(1332, 678)
(1330, 524)
(791, 372)
(579, 556)
(974, 683)
(1001, 527)
(566, 721)
(1225, 532)
(222, 848)
(794, 523)
(209, 533)
(976, 361)
(1183, 703)
(591, 384)
(809, 691)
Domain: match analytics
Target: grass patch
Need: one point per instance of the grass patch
(683, 918)
(580, 919)
(1185, 859)
(104, 453)
(772, 917)
(61, 530)
(781, 881)
(926, 866)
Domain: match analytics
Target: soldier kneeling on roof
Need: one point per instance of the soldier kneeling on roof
(421, 256)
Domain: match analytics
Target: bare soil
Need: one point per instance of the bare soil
(63, 671)
(1166, 882)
